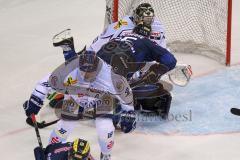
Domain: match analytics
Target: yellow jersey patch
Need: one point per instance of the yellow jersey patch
(120, 23)
(70, 81)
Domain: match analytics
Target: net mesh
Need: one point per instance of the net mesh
(192, 26)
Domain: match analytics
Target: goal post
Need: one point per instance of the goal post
(192, 26)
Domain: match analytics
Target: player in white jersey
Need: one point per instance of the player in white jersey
(144, 12)
(92, 78)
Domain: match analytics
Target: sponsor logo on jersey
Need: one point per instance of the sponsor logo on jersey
(155, 34)
(90, 104)
(81, 94)
(70, 106)
(120, 23)
(110, 145)
(55, 140)
(70, 81)
(125, 33)
(63, 149)
(94, 90)
(62, 131)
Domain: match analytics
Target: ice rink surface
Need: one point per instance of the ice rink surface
(200, 126)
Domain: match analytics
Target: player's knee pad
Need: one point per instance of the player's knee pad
(62, 131)
(105, 131)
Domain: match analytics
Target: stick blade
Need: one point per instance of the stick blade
(235, 111)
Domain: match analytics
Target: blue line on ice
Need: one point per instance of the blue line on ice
(202, 107)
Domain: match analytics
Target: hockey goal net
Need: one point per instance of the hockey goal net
(192, 26)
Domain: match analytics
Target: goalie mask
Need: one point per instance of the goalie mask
(144, 13)
(80, 150)
(88, 65)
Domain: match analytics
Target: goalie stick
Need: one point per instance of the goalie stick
(235, 111)
(85, 116)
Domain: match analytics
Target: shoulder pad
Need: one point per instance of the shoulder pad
(157, 26)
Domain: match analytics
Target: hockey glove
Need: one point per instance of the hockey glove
(33, 105)
(55, 99)
(126, 120)
(39, 153)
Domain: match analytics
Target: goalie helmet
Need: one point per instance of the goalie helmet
(143, 13)
(80, 150)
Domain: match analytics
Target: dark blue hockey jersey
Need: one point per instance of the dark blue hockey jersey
(58, 151)
(141, 50)
(55, 151)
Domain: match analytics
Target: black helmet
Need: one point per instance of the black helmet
(80, 150)
(144, 12)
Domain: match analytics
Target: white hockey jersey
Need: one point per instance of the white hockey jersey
(124, 27)
(106, 85)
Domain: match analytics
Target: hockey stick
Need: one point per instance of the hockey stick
(235, 111)
(38, 151)
(42, 124)
(37, 131)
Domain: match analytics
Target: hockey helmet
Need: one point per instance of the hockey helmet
(144, 12)
(80, 150)
(88, 61)
(88, 65)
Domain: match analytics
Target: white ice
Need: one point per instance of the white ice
(27, 54)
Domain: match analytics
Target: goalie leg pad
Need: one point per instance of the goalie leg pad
(153, 98)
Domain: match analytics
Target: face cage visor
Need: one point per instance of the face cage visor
(144, 14)
(88, 64)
